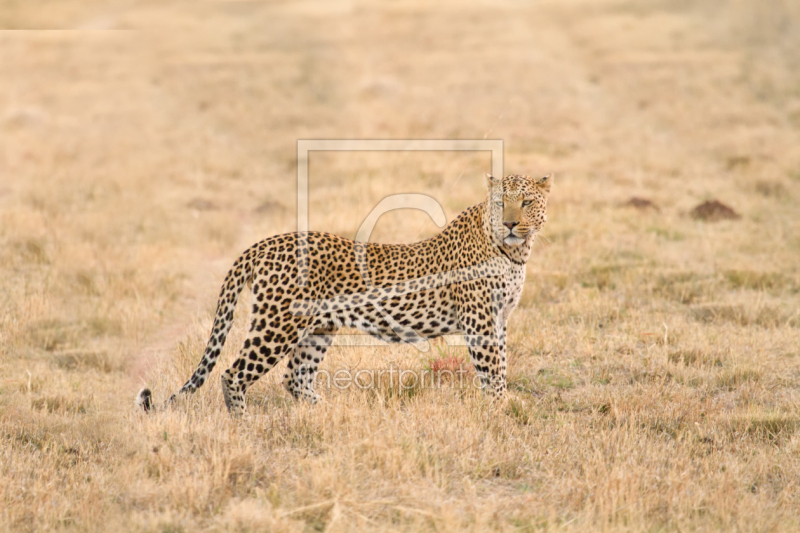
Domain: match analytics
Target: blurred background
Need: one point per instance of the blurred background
(143, 141)
(144, 145)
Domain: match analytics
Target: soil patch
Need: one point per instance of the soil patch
(269, 207)
(712, 211)
(642, 204)
(202, 205)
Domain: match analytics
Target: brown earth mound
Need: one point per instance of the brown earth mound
(713, 210)
(643, 204)
(270, 207)
(202, 205)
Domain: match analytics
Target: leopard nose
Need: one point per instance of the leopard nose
(510, 225)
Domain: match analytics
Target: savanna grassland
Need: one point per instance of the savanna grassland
(654, 362)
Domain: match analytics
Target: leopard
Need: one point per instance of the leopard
(306, 286)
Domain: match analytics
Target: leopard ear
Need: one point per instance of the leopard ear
(491, 181)
(545, 183)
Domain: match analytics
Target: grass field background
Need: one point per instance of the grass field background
(654, 360)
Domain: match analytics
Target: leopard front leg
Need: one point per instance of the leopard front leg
(488, 356)
(481, 319)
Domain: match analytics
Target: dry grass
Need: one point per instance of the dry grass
(654, 361)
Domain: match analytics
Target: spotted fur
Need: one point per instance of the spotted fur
(305, 287)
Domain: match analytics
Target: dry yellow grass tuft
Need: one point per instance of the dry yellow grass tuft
(654, 361)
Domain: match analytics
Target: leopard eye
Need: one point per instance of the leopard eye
(499, 204)
(526, 203)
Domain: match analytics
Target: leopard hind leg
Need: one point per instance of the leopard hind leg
(301, 371)
(264, 347)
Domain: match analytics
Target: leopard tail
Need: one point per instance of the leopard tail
(238, 276)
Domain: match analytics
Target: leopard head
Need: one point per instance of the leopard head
(516, 208)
